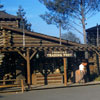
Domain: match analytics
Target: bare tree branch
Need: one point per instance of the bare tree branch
(76, 29)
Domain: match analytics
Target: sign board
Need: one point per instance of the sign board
(59, 54)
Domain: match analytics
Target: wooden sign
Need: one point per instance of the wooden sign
(59, 54)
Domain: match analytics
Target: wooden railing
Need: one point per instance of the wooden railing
(12, 83)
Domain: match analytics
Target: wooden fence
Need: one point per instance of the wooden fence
(12, 83)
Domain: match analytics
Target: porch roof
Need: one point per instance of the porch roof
(73, 48)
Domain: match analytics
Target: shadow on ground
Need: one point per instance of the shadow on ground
(1, 96)
(43, 87)
(69, 86)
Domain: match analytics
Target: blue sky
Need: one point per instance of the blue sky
(33, 9)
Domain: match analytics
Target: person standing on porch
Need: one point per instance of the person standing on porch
(82, 69)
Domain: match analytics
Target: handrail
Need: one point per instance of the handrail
(13, 85)
(11, 80)
(8, 80)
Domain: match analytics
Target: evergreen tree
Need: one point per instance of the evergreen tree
(23, 23)
(69, 12)
(56, 14)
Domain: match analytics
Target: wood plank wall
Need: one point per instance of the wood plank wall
(16, 40)
(9, 23)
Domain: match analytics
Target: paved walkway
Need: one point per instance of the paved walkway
(91, 92)
(40, 87)
(44, 87)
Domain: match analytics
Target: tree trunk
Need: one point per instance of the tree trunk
(60, 33)
(84, 31)
(83, 22)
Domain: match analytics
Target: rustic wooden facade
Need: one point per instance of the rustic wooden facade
(93, 38)
(12, 41)
(9, 20)
(22, 54)
(20, 48)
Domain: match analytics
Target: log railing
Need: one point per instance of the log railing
(12, 83)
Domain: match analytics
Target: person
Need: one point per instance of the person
(82, 69)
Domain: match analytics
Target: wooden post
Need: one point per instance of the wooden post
(65, 71)
(22, 85)
(4, 82)
(60, 32)
(28, 68)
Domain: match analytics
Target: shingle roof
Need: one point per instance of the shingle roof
(4, 15)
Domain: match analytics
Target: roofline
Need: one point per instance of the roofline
(8, 19)
(12, 16)
(41, 35)
(94, 27)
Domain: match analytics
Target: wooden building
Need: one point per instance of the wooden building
(93, 35)
(93, 39)
(24, 54)
(35, 57)
(9, 20)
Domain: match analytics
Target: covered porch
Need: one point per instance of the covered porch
(48, 68)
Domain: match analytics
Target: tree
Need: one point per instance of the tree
(23, 23)
(73, 11)
(71, 37)
(57, 18)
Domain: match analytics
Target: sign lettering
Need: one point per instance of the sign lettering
(59, 54)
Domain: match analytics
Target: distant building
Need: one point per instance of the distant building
(93, 35)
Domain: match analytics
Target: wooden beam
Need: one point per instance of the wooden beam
(22, 55)
(22, 85)
(33, 55)
(65, 71)
(96, 52)
(28, 67)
